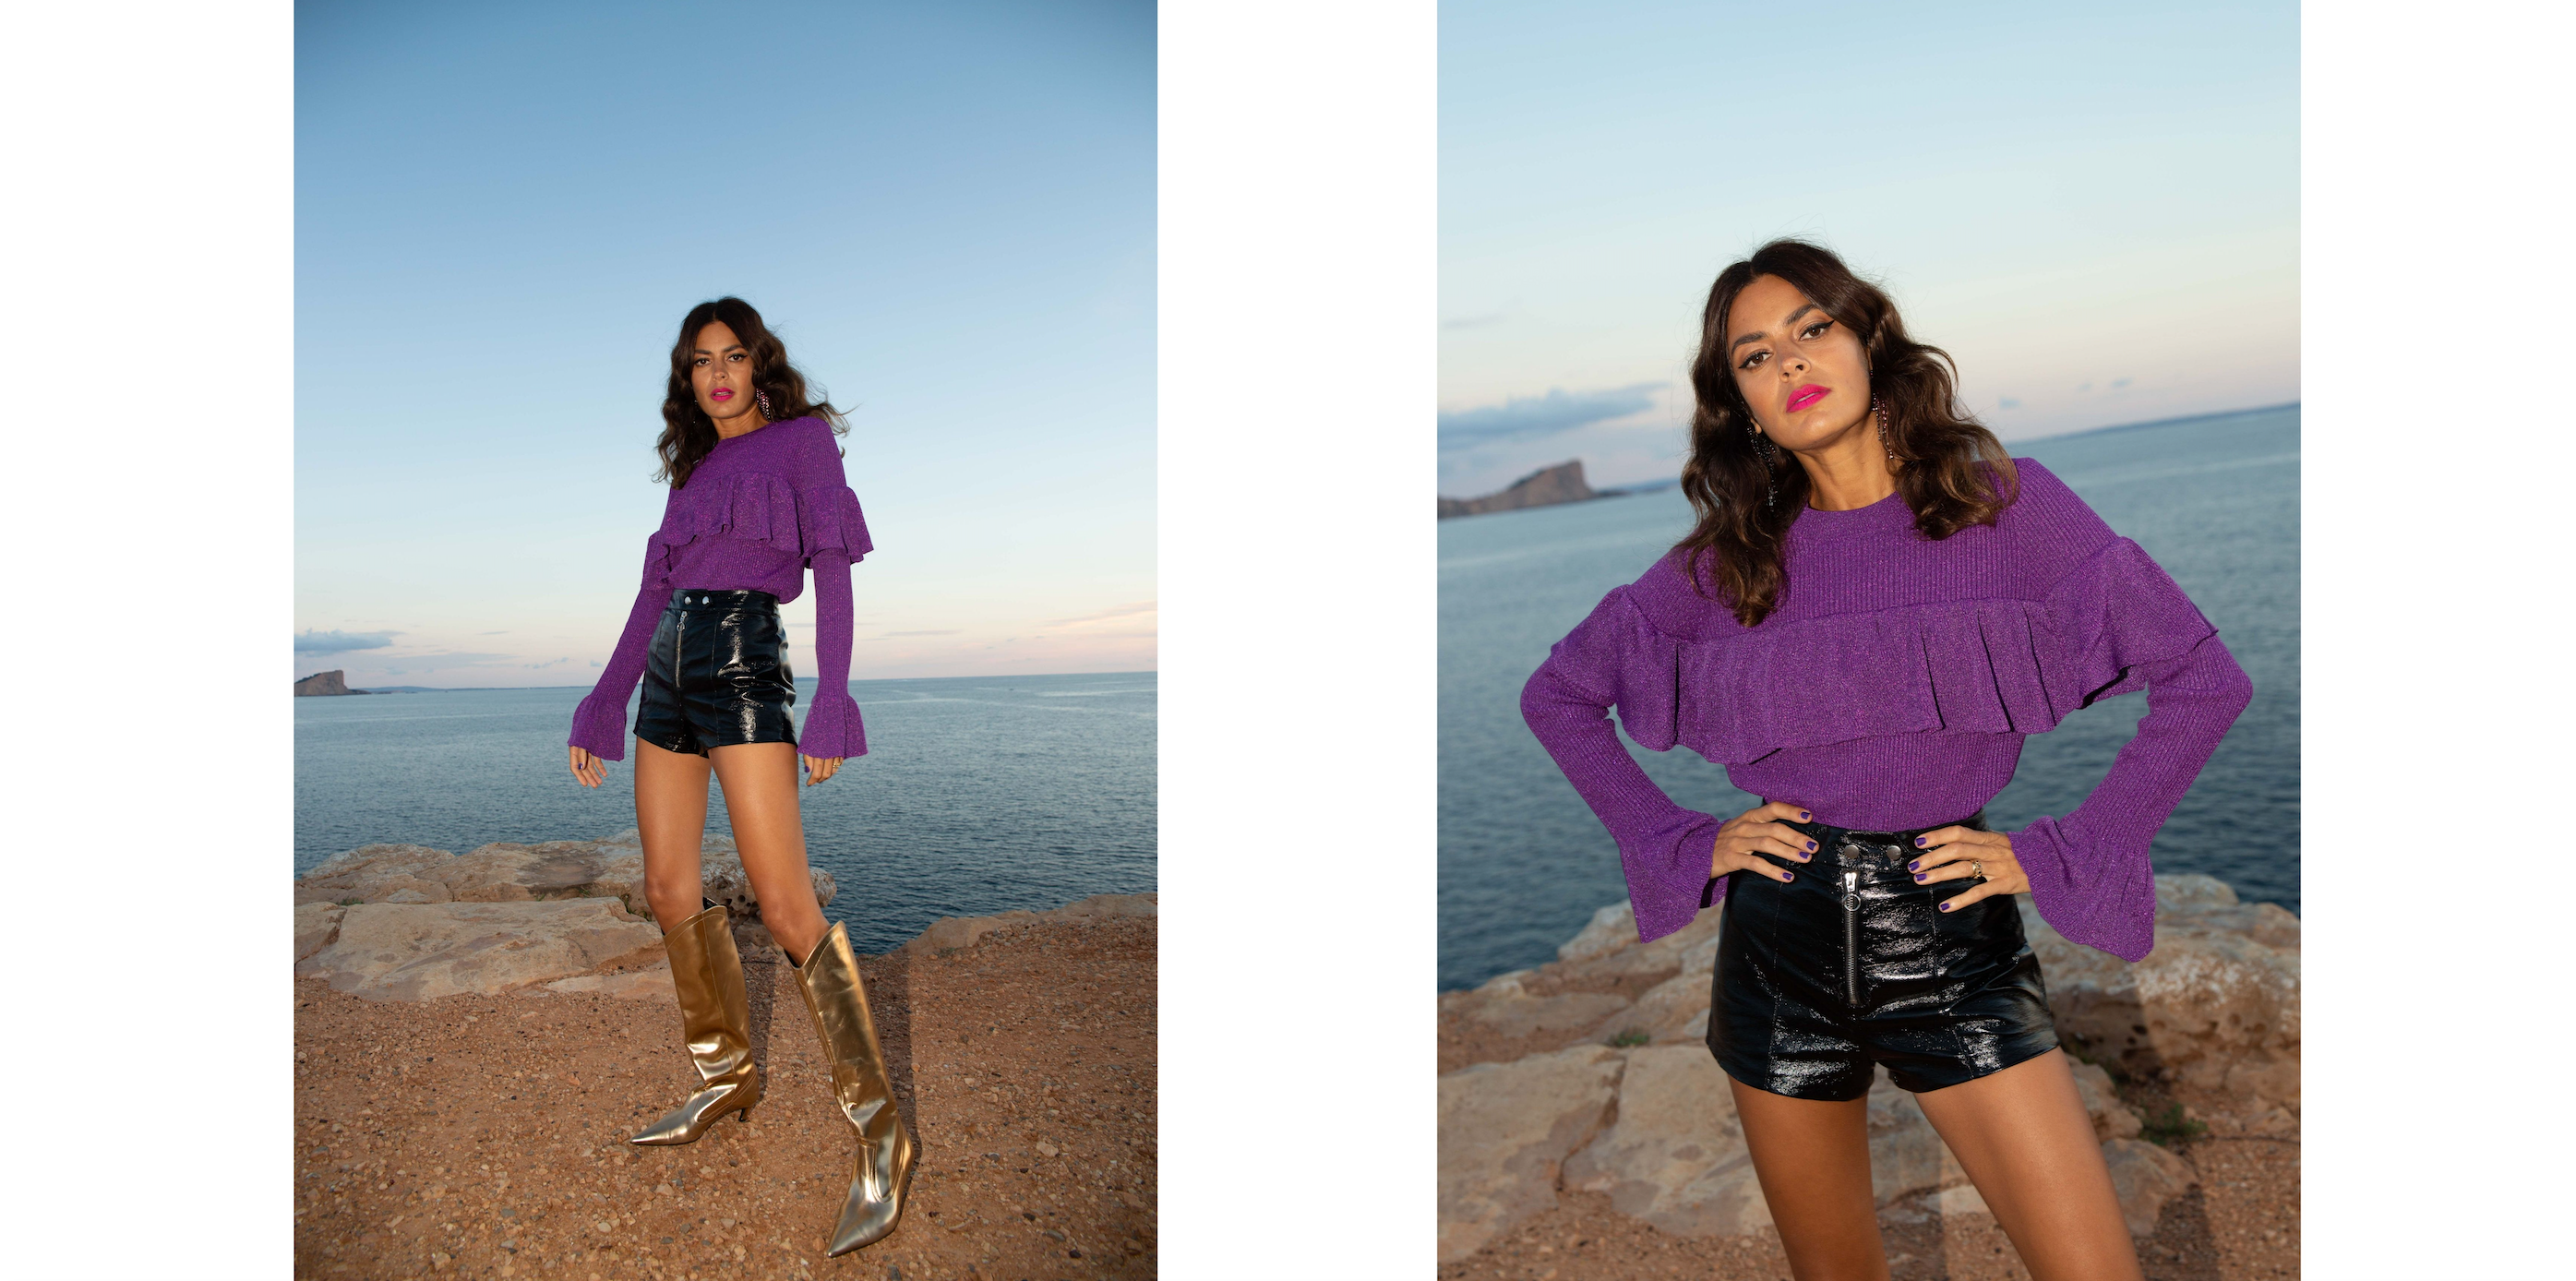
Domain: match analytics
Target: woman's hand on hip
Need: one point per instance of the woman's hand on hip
(589, 770)
(1761, 829)
(818, 768)
(1964, 853)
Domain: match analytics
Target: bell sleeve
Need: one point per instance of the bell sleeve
(1617, 658)
(2118, 623)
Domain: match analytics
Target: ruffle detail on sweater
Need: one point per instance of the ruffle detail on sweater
(833, 728)
(829, 520)
(764, 509)
(1973, 666)
(599, 727)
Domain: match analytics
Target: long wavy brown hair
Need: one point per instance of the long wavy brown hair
(688, 435)
(1952, 472)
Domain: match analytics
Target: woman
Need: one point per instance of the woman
(1875, 607)
(757, 496)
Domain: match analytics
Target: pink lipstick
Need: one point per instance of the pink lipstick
(1807, 395)
(721, 393)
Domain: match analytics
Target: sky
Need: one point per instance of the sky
(503, 211)
(2093, 208)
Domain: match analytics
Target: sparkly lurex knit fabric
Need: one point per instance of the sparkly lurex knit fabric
(759, 508)
(1891, 689)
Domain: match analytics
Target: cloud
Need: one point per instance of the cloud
(309, 641)
(945, 631)
(1533, 417)
(448, 659)
(2008, 402)
(2118, 383)
(1456, 323)
(1111, 614)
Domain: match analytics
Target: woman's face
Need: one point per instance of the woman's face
(720, 373)
(1802, 371)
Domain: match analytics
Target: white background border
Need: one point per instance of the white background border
(150, 293)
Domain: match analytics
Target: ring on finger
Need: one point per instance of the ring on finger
(1976, 869)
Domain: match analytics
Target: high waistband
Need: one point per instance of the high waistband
(1880, 851)
(696, 598)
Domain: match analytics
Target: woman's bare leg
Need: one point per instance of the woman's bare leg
(759, 781)
(671, 817)
(1813, 1160)
(2022, 1136)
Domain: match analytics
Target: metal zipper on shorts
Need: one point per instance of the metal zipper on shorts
(1851, 936)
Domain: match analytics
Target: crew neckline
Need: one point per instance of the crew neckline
(1892, 497)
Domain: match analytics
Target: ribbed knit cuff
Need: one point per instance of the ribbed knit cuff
(2080, 909)
(1669, 883)
(599, 727)
(833, 729)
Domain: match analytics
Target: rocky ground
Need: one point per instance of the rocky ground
(469, 1064)
(1585, 1133)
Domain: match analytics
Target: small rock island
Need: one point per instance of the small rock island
(320, 683)
(1546, 487)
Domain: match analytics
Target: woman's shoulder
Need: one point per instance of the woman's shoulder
(1666, 595)
(2045, 507)
(817, 450)
(2050, 529)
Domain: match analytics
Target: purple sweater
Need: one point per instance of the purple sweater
(1891, 689)
(759, 508)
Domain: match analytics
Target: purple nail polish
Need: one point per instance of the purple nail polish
(1915, 866)
(1804, 816)
(1811, 845)
(1918, 841)
(1919, 877)
(1945, 905)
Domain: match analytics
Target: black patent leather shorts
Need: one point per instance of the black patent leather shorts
(718, 674)
(1851, 964)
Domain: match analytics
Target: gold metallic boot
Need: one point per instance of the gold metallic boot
(715, 1016)
(833, 994)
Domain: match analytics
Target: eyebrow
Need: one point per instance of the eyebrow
(701, 351)
(1793, 319)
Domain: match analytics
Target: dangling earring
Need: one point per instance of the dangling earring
(1878, 406)
(763, 398)
(1762, 450)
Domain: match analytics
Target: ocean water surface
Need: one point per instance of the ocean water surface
(977, 795)
(1523, 863)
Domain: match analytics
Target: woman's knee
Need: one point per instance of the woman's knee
(672, 894)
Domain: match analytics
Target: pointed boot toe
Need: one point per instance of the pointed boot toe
(880, 1178)
(881, 1173)
(715, 1016)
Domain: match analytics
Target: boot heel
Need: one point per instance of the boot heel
(706, 976)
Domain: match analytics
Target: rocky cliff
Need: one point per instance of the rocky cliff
(1547, 486)
(1580, 1092)
(324, 683)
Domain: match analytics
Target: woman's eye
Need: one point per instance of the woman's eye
(1817, 328)
(1754, 359)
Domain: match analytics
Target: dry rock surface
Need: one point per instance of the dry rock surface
(1586, 1132)
(405, 922)
(468, 1069)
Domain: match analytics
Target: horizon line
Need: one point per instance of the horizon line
(2060, 435)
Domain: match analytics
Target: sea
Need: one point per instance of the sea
(977, 795)
(1523, 863)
